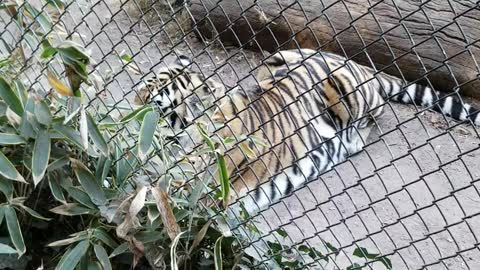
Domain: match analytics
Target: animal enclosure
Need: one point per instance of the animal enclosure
(409, 200)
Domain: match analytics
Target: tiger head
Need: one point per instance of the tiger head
(180, 93)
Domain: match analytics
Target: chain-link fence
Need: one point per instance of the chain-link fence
(409, 200)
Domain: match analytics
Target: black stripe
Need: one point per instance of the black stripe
(173, 119)
(385, 88)
(457, 108)
(174, 102)
(167, 73)
(180, 81)
(420, 91)
(257, 194)
(258, 107)
(312, 135)
(250, 122)
(312, 173)
(275, 60)
(474, 114)
(321, 62)
(439, 105)
(296, 170)
(273, 190)
(289, 188)
(351, 96)
(401, 94)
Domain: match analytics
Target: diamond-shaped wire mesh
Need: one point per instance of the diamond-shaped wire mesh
(411, 194)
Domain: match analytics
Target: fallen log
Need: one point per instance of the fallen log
(438, 40)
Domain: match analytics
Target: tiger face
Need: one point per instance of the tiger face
(180, 93)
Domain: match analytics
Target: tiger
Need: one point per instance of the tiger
(312, 109)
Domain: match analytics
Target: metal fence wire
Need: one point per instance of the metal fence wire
(412, 195)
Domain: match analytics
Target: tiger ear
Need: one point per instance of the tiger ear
(142, 94)
(184, 61)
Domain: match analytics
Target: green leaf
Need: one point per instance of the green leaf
(354, 266)
(275, 247)
(74, 51)
(48, 52)
(31, 39)
(42, 113)
(363, 253)
(173, 251)
(40, 17)
(5, 62)
(332, 248)
(224, 180)
(6, 187)
(247, 150)
(72, 209)
(281, 232)
(41, 155)
(71, 134)
(200, 188)
(21, 91)
(126, 57)
(9, 96)
(136, 114)
(217, 251)
(59, 4)
(71, 258)
(83, 125)
(312, 252)
(386, 261)
(90, 265)
(3, 108)
(11, 139)
(102, 257)
(4, 249)
(88, 182)
(32, 212)
(119, 250)
(229, 140)
(149, 236)
(58, 163)
(222, 167)
(67, 241)
(103, 236)
(125, 164)
(26, 129)
(74, 105)
(102, 169)
(7, 169)
(258, 141)
(304, 249)
(56, 189)
(206, 138)
(75, 60)
(14, 230)
(147, 131)
(97, 136)
(80, 196)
